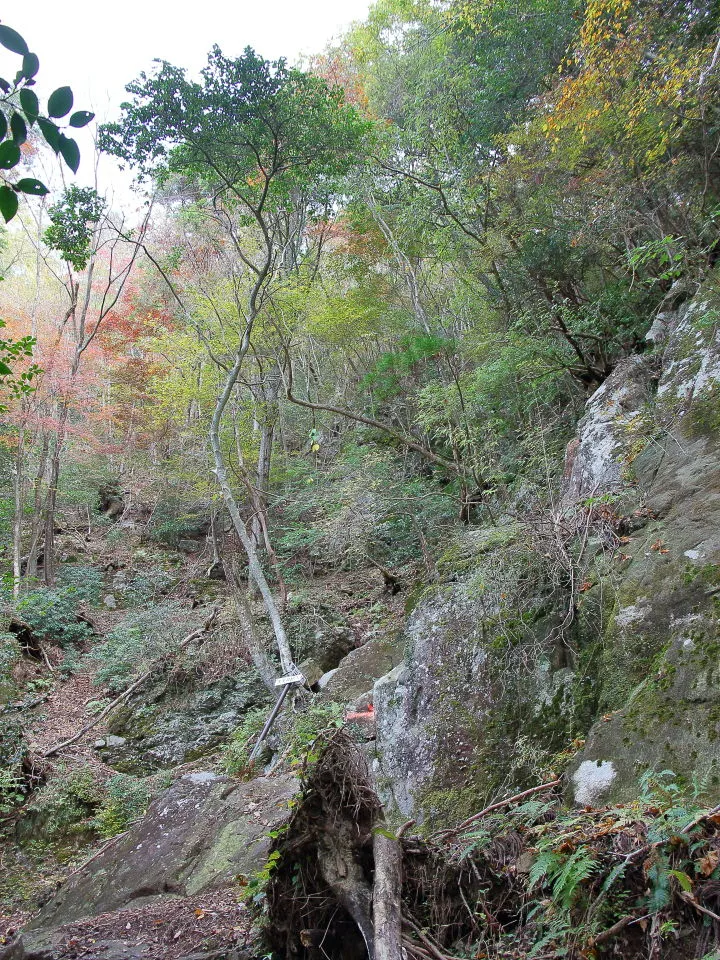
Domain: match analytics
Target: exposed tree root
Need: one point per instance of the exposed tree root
(346, 888)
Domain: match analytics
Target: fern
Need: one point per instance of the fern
(543, 866)
(659, 878)
(579, 867)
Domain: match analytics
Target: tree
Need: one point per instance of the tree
(265, 144)
(20, 109)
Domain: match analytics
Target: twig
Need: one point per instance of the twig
(438, 954)
(687, 898)
(405, 827)
(611, 931)
(700, 818)
(415, 949)
(497, 806)
(101, 716)
(50, 667)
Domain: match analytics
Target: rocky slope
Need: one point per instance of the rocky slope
(577, 640)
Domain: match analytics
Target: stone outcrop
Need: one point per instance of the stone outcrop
(201, 834)
(492, 685)
(659, 674)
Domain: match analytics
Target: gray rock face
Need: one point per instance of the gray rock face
(480, 654)
(434, 743)
(659, 673)
(359, 670)
(201, 833)
(594, 463)
(164, 727)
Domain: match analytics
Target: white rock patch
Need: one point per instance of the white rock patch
(592, 778)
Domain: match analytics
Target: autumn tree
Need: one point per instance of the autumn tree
(265, 145)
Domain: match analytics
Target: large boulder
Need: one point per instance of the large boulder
(658, 653)
(358, 671)
(200, 835)
(481, 691)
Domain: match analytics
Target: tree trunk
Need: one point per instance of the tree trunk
(37, 526)
(266, 398)
(387, 893)
(50, 504)
(243, 615)
(345, 877)
(256, 571)
(19, 481)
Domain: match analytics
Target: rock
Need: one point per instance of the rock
(361, 668)
(195, 836)
(311, 671)
(592, 780)
(164, 726)
(317, 630)
(443, 714)
(203, 777)
(594, 460)
(109, 742)
(110, 602)
(658, 678)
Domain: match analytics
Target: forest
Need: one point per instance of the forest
(390, 398)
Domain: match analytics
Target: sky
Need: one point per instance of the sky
(97, 48)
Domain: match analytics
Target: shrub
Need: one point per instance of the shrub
(142, 638)
(65, 807)
(127, 800)
(12, 789)
(9, 656)
(141, 589)
(236, 754)
(53, 614)
(307, 727)
(82, 581)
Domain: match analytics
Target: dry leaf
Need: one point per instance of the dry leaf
(707, 864)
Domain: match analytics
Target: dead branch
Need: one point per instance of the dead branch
(496, 806)
(126, 693)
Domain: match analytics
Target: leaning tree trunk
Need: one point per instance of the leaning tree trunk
(387, 892)
(266, 396)
(256, 571)
(246, 626)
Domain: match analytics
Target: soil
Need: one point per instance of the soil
(167, 929)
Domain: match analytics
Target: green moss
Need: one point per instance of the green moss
(446, 807)
(704, 416)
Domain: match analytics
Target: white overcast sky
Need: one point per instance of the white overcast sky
(98, 47)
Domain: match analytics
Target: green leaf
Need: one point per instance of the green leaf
(3, 125)
(11, 40)
(8, 202)
(70, 152)
(50, 132)
(30, 65)
(5, 370)
(30, 104)
(19, 128)
(683, 879)
(4, 85)
(384, 833)
(29, 185)
(81, 118)
(60, 102)
(9, 154)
